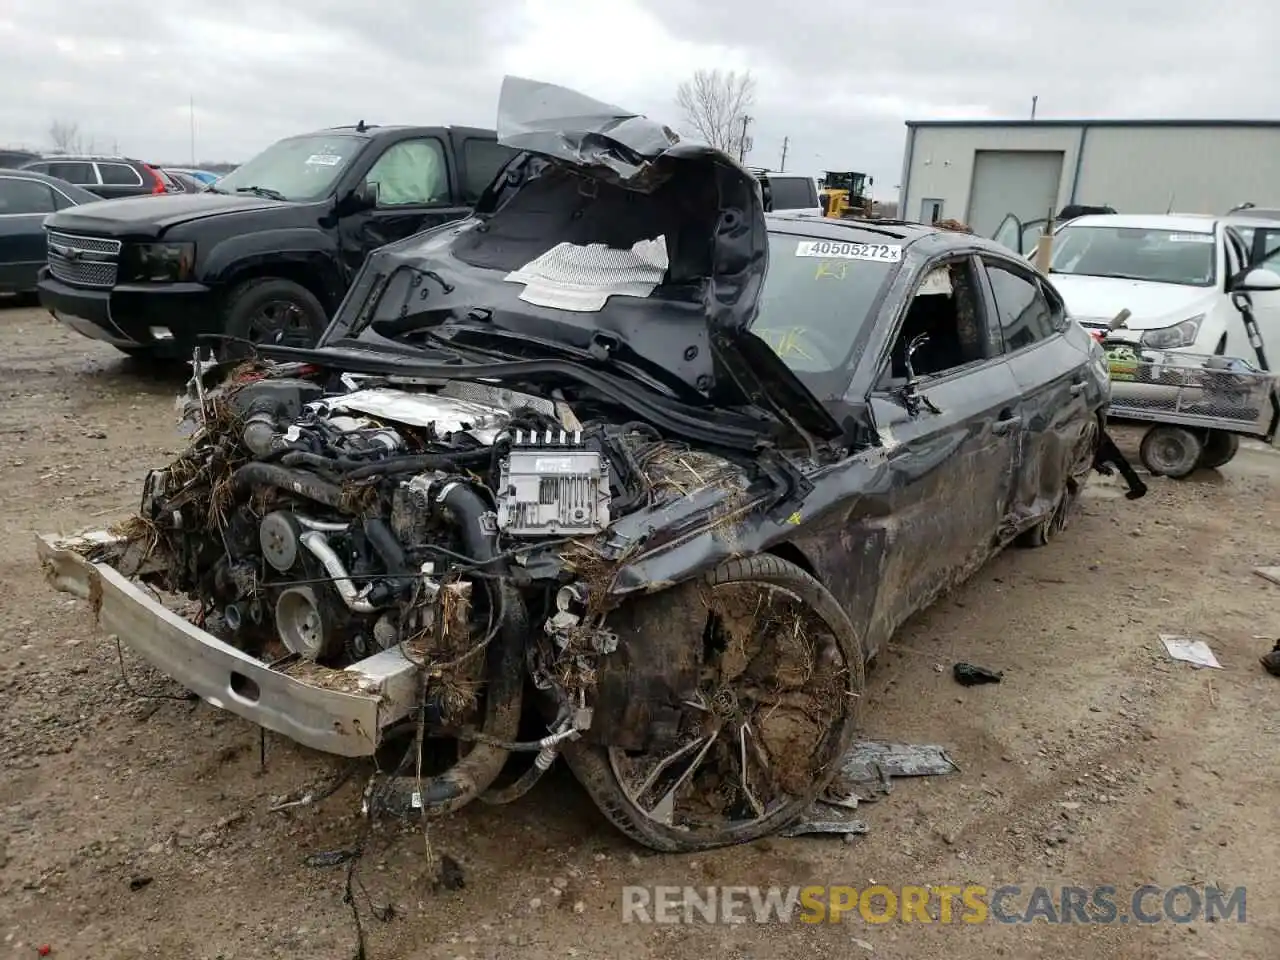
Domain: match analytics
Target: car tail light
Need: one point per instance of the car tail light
(158, 186)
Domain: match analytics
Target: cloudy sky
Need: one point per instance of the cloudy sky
(840, 85)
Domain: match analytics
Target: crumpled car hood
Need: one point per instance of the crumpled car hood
(607, 241)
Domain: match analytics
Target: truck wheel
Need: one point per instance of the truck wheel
(1169, 451)
(1219, 449)
(764, 733)
(271, 310)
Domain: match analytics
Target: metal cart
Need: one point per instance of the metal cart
(1199, 405)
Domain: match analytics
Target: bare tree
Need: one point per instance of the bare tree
(65, 137)
(715, 104)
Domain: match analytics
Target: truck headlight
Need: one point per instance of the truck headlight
(1170, 338)
(164, 261)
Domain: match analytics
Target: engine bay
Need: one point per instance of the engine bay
(330, 521)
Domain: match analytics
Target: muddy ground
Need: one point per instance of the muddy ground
(1096, 761)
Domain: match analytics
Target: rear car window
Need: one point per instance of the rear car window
(73, 171)
(119, 175)
(482, 160)
(792, 193)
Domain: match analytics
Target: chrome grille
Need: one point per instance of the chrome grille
(83, 261)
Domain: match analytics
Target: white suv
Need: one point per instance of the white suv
(1175, 273)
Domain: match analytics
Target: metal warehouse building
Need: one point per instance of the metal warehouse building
(981, 171)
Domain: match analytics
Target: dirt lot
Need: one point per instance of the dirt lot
(1097, 761)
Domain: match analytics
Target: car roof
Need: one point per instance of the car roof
(33, 175)
(1263, 218)
(373, 131)
(1185, 222)
(84, 158)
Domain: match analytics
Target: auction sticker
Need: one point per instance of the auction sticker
(1191, 238)
(845, 250)
(323, 160)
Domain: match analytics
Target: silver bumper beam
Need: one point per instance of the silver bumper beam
(341, 712)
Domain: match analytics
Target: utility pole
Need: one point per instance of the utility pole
(191, 105)
(1033, 107)
(782, 167)
(742, 144)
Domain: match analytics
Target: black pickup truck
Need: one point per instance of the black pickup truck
(267, 252)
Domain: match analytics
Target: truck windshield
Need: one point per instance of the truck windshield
(298, 168)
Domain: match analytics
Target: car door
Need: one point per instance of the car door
(24, 203)
(1265, 252)
(1049, 357)
(416, 189)
(951, 438)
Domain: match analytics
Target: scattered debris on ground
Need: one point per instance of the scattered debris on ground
(865, 776)
(1190, 650)
(968, 675)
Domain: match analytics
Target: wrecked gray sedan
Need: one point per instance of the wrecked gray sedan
(617, 457)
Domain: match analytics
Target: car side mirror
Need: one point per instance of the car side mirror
(364, 196)
(1257, 280)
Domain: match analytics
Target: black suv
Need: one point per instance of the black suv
(266, 253)
(108, 177)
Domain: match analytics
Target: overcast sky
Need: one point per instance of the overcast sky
(839, 79)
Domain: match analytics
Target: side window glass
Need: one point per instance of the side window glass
(792, 193)
(119, 175)
(1267, 245)
(483, 160)
(1057, 309)
(411, 172)
(61, 201)
(1025, 314)
(946, 311)
(1270, 254)
(19, 196)
(74, 171)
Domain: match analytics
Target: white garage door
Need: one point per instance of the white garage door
(1021, 182)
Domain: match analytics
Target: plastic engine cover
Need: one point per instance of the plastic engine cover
(552, 485)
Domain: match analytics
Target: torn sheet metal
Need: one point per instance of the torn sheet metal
(867, 772)
(557, 122)
(870, 761)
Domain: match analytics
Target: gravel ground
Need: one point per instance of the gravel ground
(132, 826)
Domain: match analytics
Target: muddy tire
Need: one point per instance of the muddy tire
(608, 774)
(1220, 448)
(259, 311)
(1169, 451)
